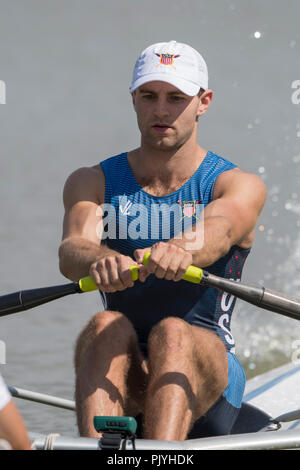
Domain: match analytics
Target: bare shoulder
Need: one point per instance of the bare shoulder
(240, 196)
(85, 184)
(237, 181)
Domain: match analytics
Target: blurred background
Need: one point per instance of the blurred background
(67, 66)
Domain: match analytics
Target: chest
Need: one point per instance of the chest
(163, 186)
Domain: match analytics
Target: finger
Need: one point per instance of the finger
(163, 256)
(157, 263)
(161, 268)
(173, 261)
(93, 272)
(104, 283)
(172, 272)
(139, 255)
(169, 263)
(125, 273)
(186, 261)
(112, 278)
(143, 273)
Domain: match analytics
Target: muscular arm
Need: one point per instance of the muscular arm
(80, 247)
(12, 428)
(81, 252)
(229, 219)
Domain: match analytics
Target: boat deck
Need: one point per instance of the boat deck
(276, 392)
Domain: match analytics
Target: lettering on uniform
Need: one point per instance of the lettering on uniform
(223, 320)
(226, 304)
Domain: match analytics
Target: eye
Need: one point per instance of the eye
(148, 96)
(177, 98)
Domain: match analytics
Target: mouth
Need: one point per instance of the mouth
(161, 128)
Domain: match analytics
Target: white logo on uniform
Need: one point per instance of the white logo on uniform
(125, 209)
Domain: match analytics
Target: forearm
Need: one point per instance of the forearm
(207, 241)
(77, 254)
(12, 428)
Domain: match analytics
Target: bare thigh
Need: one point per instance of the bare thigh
(137, 382)
(211, 364)
(115, 333)
(191, 357)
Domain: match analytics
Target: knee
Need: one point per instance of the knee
(107, 319)
(171, 333)
(106, 329)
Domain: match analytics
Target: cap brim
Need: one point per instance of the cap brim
(183, 85)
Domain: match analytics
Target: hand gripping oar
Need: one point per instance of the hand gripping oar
(259, 296)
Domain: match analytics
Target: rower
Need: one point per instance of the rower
(13, 433)
(160, 347)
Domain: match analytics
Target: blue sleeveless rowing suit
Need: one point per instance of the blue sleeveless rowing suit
(135, 219)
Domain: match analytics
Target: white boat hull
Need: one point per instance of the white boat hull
(276, 392)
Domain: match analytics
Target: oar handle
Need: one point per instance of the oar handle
(192, 274)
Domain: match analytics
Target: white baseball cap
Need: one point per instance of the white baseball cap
(174, 63)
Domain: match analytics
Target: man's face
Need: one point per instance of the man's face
(166, 117)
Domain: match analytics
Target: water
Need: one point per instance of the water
(67, 66)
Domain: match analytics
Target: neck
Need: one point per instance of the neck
(154, 163)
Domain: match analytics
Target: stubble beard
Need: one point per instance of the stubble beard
(170, 144)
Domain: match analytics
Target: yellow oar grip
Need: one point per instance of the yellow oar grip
(134, 272)
(192, 274)
(87, 284)
(146, 258)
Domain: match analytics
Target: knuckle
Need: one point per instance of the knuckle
(181, 272)
(125, 277)
(109, 260)
(161, 271)
(171, 273)
(160, 275)
(172, 248)
(120, 258)
(98, 266)
(105, 286)
(94, 266)
(157, 246)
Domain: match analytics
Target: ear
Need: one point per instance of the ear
(133, 96)
(204, 102)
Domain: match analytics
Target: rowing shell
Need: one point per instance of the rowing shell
(269, 419)
(277, 392)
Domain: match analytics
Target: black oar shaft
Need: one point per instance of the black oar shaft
(259, 296)
(281, 304)
(26, 299)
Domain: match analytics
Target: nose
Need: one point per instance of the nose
(161, 108)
